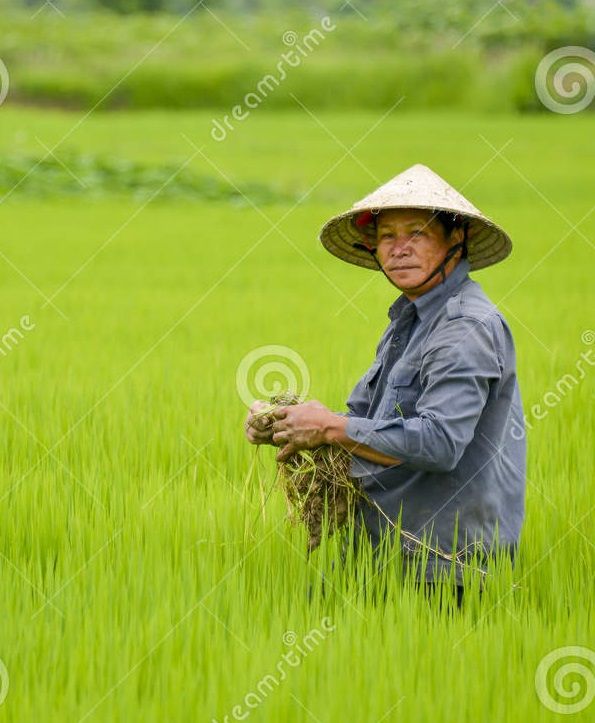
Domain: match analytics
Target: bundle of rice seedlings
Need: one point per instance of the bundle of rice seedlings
(316, 482)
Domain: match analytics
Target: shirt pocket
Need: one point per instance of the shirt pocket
(372, 373)
(403, 391)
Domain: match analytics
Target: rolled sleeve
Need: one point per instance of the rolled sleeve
(456, 373)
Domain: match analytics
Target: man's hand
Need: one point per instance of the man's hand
(258, 427)
(301, 426)
(305, 426)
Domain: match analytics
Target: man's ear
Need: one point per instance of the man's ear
(456, 236)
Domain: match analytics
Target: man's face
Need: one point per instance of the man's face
(410, 246)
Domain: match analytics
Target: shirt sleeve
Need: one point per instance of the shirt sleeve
(456, 373)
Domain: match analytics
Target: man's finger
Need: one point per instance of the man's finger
(261, 423)
(280, 438)
(279, 413)
(279, 426)
(254, 434)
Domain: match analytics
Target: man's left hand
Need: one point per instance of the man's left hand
(301, 426)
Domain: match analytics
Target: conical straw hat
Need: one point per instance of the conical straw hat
(417, 187)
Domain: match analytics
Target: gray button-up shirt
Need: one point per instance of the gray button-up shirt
(450, 409)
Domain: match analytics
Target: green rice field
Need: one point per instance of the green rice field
(141, 578)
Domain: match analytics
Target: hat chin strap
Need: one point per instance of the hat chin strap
(440, 269)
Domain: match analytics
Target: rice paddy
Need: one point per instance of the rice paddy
(141, 579)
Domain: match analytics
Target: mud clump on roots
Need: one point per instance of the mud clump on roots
(316, 484)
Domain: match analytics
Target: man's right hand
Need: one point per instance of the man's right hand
(259, 428)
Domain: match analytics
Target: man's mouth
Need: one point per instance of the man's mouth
(401, 268)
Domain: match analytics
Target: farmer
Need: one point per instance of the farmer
(430, 423)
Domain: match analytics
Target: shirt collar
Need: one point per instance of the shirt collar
(428, 302)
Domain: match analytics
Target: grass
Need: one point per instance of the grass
(130, 587)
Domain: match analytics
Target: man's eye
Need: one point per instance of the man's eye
(417, 232)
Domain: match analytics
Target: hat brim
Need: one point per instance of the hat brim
(487, 243)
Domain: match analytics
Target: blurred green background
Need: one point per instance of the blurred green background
(473, 54)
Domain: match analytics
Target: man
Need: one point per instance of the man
(429, 424)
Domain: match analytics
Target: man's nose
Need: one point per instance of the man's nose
(401, 245)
